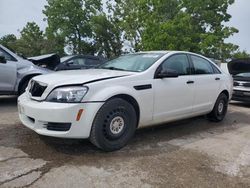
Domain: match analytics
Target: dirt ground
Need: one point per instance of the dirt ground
(189, 153)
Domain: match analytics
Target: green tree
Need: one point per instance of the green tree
(53, 43)
(83, 26)
(192, 25)
(241, 54)
(70, 19)
(208, 18)
(9, 41)
(31, 42)
(107, 36)
(141, 20)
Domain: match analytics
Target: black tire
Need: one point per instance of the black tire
(116, 115)
(23, 87)
(220, 109)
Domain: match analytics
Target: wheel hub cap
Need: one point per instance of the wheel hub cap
(117, 125)
(220, 107)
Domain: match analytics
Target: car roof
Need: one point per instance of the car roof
(82, 55)
(166, 52)
(155, 51)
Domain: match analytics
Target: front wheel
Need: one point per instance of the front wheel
(220, 108)
(114, 125)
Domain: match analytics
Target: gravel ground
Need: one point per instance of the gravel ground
(189, 153)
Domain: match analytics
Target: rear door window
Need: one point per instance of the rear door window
(201, 66)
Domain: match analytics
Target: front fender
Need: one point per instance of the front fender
(144, 99)
(108, 92)
(29, 71)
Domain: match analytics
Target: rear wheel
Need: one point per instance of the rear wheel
(114, 125)
(220, 108)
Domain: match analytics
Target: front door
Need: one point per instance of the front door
(173, 97)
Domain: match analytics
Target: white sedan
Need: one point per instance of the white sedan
(109, 103)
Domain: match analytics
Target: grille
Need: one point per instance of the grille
(244, 84)
(238, 93)
(236, 83)
(58, 126)
(36, 89)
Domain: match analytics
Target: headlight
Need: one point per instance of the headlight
(72, 94)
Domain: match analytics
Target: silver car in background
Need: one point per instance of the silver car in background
(16, 72)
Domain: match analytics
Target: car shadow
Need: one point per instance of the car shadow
(8, 103)
(8, 100)
(145, 139)
(240, 104)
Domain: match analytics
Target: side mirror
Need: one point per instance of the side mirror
(167, 74)
(2, 59)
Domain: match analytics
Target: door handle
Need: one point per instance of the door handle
(217, 78)
(190, 82)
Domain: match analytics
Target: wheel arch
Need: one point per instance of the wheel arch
(225, 92)
(24, 79)
(130, 100)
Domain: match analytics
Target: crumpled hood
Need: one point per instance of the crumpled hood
(49, 61)
(238, 66)
(78, 76)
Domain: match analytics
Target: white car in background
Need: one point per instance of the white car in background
(108, 104)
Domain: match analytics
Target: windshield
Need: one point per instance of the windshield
(133, 62)
(246, 74)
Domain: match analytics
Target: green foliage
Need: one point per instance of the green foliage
(141, 20)
(70, 19)
(31, 40)
(192, 25)
(30, 43)
(107, 36)
(9, 41)
(82, 26)
(241, 54)
(209, 17)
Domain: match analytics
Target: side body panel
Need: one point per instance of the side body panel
(8, 76)
(12, 73)
(102, 91)
(173, 98)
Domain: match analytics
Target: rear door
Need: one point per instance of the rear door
(207, 84)
(8, 72)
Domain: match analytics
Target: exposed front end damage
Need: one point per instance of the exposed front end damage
(240, 69)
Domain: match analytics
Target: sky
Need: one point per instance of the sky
(14, 14)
